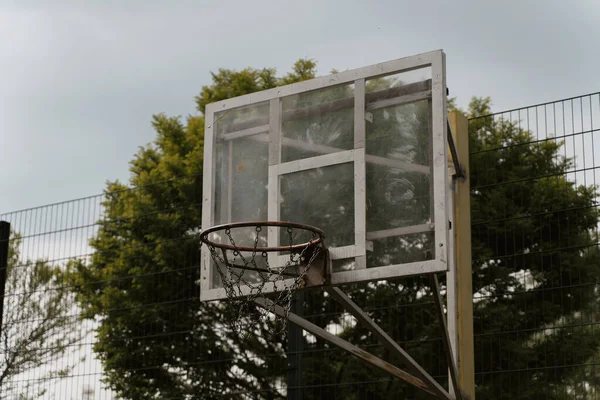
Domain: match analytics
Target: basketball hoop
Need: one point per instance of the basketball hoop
(249, 268)
(299, 152)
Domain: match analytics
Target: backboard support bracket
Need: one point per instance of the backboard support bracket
(416, 375)
(460, 171)
(439, 306)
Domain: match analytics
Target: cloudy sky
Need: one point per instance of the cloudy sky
(80, 81)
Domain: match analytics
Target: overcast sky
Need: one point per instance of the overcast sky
(80, 82)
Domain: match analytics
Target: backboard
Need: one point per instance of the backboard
(361, 154)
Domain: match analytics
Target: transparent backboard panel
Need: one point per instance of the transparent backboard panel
(321, 197)
(399, 170)
(241, 176)
(241, 169)
(351, 154)
(393, 250)
(233, 122)
(401, 83)
(318, 122)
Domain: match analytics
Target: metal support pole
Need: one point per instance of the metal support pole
(387, 341)
(342, 344)
(451, 278)
(464, 285)
(295, 347)
(4, 241)
(435, 287)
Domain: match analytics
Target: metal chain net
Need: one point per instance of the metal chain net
(241, 269)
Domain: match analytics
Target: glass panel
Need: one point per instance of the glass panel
(242, 174)
(241, 166)
(403, 82)
(402, 249)
(396, 198)
(322, 197)
(241, 177)
(318, 122)
(398, 167)
(241, 118)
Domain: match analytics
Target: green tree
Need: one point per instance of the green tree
(38, 325)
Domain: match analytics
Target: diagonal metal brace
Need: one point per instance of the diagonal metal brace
(341, 343)
(435, 287)
(460, 171)
(387, 341)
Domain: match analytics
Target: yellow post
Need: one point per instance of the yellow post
(464, 291)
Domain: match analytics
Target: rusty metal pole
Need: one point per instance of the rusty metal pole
(4, 238)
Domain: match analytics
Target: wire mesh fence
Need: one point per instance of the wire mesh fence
(126, 267)
(102, 298)
(535, 250)
(46, 349)
(127, 272)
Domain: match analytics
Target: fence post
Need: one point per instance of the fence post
(464, 287)
(4, 237)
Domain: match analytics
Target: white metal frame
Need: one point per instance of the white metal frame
(440, 212)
